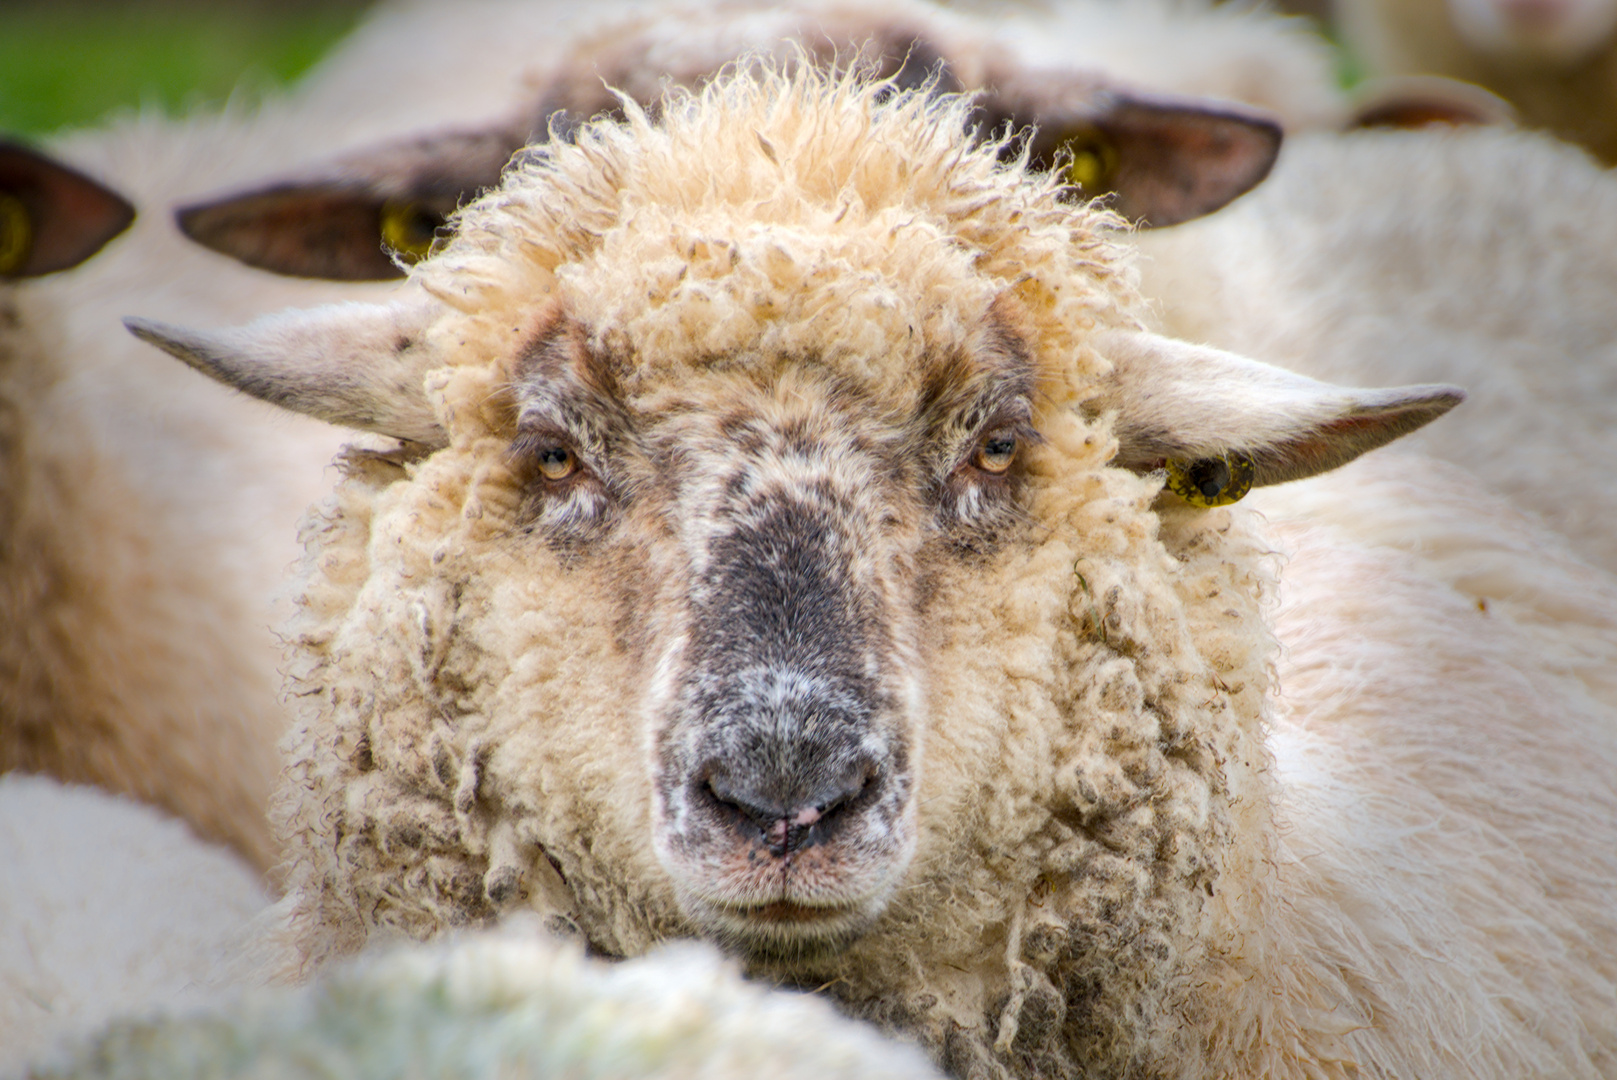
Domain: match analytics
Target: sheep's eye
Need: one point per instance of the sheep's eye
(557, 463)
(16, 233)
(1094, 160)
(996, 453)
(409, 229)
(1215, 481)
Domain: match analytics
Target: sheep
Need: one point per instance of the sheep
(145, 517)
(504, 1003)
(108, 907)
(1482, 257)
(1555, 61)
(795, 542)
(1091, 77)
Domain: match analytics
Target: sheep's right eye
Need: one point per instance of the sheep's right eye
(409, 229)
(16, 233)
(557, 463)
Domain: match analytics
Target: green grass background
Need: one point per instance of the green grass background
(68, 63)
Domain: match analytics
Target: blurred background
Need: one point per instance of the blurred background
(68, 63)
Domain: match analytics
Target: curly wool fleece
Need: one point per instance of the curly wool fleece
(473, 737)
(501, 1005)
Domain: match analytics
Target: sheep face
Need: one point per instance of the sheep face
(779, 517)
(784, 711)
(770, 559)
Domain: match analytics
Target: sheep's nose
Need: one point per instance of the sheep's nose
(805, 815)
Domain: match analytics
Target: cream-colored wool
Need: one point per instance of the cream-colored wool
(1234, 52)
(143, 517)
(1480, 257)
(1097, 887)
(1445, 750)
(501, 1005)
(109, 908)
(1231, 53)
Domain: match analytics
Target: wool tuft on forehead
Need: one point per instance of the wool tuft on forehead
(781, 218)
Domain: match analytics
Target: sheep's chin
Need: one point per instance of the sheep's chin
(783, 932)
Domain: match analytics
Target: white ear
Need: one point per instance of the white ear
(358, 365)
(1177, 404)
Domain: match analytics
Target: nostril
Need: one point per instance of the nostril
(758, 811)
(797, 820)
(852, 788)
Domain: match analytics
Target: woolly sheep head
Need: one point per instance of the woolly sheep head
(776, 551)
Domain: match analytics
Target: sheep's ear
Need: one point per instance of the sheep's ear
(1160, 160)
(1214, 418)
(1412, 101)
(52, 217)
(359, 218)
(358, 365)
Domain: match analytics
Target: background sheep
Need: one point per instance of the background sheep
(694, 469)
(1555, 61)
(148, 521)
(109, 908)
(1090, 75)
(1482, 257)
(500, 1005)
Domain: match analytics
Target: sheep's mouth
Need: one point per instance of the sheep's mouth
(784, 930)
(785, 912)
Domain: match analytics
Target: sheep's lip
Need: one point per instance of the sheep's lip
(784, 931)
(785, 911)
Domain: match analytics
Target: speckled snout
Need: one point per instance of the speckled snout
(785, 779)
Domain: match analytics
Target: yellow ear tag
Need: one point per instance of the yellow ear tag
(409, 229)
(16, 234)
(1214, 481)
(1094, 160)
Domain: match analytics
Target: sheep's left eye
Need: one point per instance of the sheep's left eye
(557, 463)
(996, 453)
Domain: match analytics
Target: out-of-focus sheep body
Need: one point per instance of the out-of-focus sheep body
(109, 909)
(789, 297)
(1473, 785)
(147, 522)
(1482, 257)
(145, 515)
(500, 1005)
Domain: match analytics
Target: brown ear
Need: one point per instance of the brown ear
(52, 217)
(1160, 160)
(357, 219)
(1412, 101)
